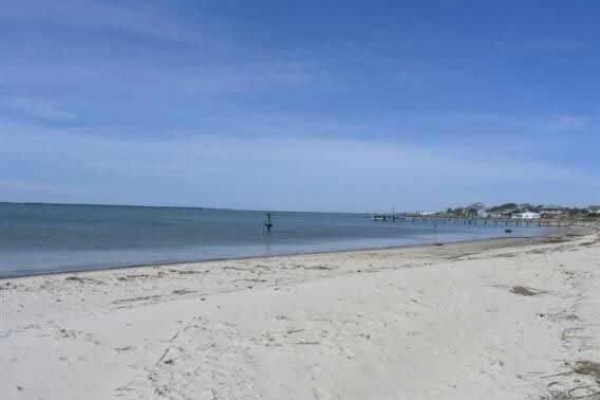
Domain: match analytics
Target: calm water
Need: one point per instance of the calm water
(36, 238)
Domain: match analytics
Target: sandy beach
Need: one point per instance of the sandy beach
(497, 319)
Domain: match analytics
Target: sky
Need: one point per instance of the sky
(300, 105)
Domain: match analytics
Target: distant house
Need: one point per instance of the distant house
(503, 214)
(476, 210)
(527, 215)
(551, 213)
(504, 211)
(483, 213)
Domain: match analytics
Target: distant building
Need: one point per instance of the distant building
(527, 215)
(551, 213)
(476, 210)
(503, 213)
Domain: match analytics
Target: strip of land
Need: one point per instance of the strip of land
(498, 319)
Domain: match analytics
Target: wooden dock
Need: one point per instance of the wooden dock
(476, 221)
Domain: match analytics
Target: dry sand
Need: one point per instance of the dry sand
(487, 320)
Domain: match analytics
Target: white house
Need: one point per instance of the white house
(527, 215)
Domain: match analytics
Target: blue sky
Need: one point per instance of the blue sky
(312, 105)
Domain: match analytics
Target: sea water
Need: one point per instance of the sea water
(46, 238)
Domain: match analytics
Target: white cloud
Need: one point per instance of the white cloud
(281, 173)
(141, 18)
(37, 108)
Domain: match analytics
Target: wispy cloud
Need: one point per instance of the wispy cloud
(205, 103)
(569, 122)
(141, 18)
(36, 109)
(286, 173)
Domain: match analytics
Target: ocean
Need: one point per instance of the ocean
(48, 238)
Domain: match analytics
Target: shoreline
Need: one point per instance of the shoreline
(495, 319)
(167, 263)
(94, 268)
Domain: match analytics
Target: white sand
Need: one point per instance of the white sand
(420, 323)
